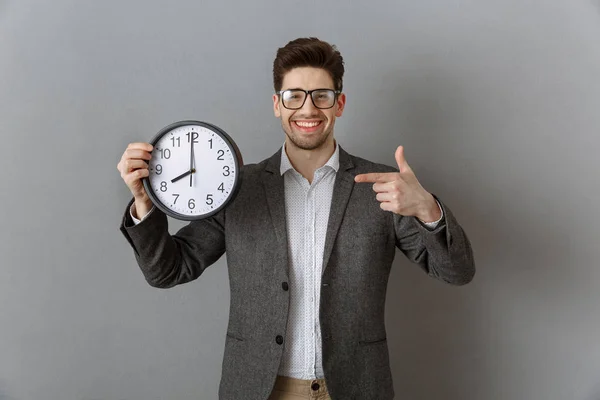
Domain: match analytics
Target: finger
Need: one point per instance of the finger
(401, 160)
(388, 186)
(137, 154)
(375, 177)
(130, 165)
(386, 206)
(387, 196)
(127, 165)
(135, 176)
(140, 146)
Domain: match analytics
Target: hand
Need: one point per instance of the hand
(401, 192)
(133, 168)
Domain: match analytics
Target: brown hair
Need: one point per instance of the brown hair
(308, 52)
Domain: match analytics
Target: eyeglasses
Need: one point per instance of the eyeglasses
(293, 99)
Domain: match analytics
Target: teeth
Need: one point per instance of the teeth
(307, 124)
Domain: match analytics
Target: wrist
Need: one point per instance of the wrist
(430, 211)
(144, 198)
(141, 206)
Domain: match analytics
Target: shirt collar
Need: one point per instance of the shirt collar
(333, 162)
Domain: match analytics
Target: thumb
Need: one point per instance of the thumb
(402, 164)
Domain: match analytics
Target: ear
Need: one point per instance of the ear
(341, 103)
(276, 109)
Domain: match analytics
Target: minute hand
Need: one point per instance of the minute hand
(192, 159)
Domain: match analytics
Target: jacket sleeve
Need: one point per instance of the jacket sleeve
(444, 252)
(168, 260)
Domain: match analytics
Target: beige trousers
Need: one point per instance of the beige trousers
(296, 389)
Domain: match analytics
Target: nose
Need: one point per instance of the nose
(309, 107)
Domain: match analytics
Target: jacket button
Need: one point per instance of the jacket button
(279, 339)
(285, 286)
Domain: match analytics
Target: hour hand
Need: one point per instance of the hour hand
(191, 171)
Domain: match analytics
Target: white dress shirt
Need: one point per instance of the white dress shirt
(307, 214)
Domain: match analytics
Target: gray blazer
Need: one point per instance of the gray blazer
(359, 249)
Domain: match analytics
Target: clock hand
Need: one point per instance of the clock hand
(190, 172)
(192, 159)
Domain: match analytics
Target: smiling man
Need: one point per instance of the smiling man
(310, 240)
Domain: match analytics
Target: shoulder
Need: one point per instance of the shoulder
(364, 166)
(254, 169)
(254, 172)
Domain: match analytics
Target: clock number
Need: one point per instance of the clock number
(221, 154)
(226, 168)
(192, 136)
(163, 186)
(165, 153)
(158, 169)
(221, 188)
(209, 197)
(178, 139)
(210, 141)
(176, 197)
(191, 204)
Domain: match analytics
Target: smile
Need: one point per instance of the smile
(306, 124)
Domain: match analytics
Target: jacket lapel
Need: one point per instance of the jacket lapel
(274, 192)
(344, 182)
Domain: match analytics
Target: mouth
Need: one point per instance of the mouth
(307, 126)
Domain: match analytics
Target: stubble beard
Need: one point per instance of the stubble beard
(307, 144)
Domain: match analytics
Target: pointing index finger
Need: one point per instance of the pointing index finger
(375, 177)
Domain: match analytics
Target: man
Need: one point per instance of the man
(309, 247)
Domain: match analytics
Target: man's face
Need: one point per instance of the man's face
(308, 128)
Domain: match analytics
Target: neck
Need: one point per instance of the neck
(306, 162)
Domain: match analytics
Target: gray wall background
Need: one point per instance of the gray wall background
(496, 101)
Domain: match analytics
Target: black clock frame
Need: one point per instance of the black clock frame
(237, 160)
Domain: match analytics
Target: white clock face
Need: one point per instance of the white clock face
(192, 171)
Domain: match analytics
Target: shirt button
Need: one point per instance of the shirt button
(285, 286)
(279, 339)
